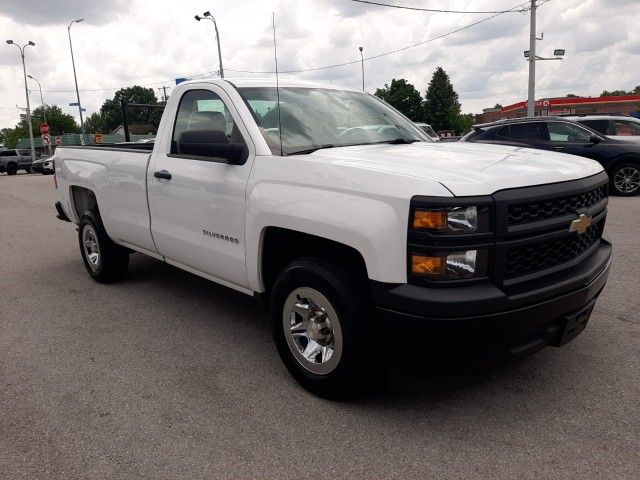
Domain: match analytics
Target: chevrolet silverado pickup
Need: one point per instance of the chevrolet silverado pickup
(363, 235)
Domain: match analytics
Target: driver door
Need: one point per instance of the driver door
(568, 138)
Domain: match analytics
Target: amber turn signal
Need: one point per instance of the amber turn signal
(428, 266)
(423, 219)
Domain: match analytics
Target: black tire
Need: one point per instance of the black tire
(625, 179)
(27, 169)
(12, 169)
(112, 261)
(345, 288)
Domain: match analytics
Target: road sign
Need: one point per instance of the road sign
(46, 139)
(58, 140)
(98, 137)
(73, 104)
(44, 129)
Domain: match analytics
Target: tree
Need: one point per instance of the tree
(572, 95)
(94, 123)
(404, 97)
(58, 121)
(463, 123)
(617, 93)
(498, 106)
(441, 102)
(110, 115)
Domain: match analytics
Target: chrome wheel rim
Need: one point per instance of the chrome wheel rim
(627, 179)
(312, 329)
(90, 247)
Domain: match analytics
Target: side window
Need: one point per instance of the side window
(602, 126)
(204, 126)
(528, 131)
(566, 132)
(502, 132)
(626, 127)
(8, 153)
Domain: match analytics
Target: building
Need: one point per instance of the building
(623, 104)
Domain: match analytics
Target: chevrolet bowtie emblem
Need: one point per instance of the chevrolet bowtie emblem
(581, 223)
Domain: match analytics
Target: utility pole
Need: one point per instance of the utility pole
(26, 93)
(75, 78)
(164, 93)
(532, 58)
(531, 103)
(362, 63)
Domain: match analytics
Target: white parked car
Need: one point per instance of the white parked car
(428, 129)
(364, 241)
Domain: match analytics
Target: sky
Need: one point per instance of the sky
(144, 42)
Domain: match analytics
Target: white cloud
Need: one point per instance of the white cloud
(147, 42)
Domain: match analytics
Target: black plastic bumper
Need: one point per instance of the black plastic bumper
(484, 317)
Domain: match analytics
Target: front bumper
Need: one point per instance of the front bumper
(482, 317)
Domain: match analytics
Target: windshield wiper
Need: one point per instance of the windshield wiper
(313, 149)
(400, 141)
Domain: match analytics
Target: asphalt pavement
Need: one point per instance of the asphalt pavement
(168, 376)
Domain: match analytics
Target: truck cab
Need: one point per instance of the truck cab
(361, 233)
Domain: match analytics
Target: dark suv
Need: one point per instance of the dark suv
(620, 159)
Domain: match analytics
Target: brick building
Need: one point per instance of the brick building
(623, 104)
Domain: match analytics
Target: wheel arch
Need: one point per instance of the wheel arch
(82, 199)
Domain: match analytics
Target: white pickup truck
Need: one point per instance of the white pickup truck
(365, 237)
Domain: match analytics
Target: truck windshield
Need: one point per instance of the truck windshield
(314, 118)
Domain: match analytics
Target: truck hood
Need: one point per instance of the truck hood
(464, 168)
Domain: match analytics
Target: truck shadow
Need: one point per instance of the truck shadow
(221, 312)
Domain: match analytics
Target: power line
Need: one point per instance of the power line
(436, 10)
(438, 37)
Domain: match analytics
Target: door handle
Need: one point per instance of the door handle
(162, 174)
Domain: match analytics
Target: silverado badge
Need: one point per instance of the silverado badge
(581, 223)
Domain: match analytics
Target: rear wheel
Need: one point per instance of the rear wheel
(625, 179)
(323, 328)
(105, 261)
(12, 169)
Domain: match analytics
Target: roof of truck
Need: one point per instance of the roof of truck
(271, 82)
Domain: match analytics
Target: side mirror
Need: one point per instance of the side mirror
(212, 144)
(595, 139)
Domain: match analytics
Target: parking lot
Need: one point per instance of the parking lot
(167, 375)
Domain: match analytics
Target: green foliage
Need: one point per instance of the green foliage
(441, 102)
(58, 121)
(463, 123)
(110, 115)
(404, 97)
(618, 93)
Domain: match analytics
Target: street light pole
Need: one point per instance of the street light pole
(75, 78)
(26, 93)
(215, 25)
(362, 62)
(44, 108)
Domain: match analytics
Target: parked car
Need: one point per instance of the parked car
(43, 165)
(619, 127)
(620, 159)
(428, 129)
(13, 160)
(364, 241)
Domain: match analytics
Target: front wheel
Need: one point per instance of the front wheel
(625, 179)
(105, 261)
(323, 328)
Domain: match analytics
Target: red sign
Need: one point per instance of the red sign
(44, 129)
(58, 140)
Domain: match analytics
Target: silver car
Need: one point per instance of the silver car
(13, 160)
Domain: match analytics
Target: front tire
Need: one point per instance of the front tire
(323, 327)
(625, 179)
(105, 261)
(12, 169)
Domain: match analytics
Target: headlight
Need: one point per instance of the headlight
(450, 266)
(451, 220)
